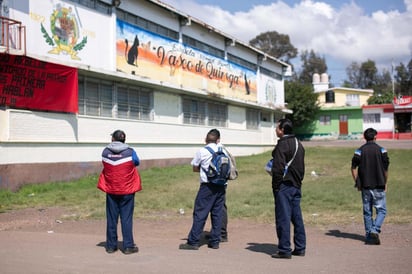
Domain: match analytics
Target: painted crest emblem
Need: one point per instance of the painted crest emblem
(65, 33)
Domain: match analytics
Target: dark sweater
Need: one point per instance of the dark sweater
(372, 162)
(282, 154)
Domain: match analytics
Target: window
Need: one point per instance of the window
(265, 116)
(324, 120)
(194, 111)
(372, 118)
(203, 47)
(217, 114)
(134, 103)
(202, 112)
(252, 119)
(95, 5)
(352, 100)
(147, 25)
(99, 98)
(95, 98)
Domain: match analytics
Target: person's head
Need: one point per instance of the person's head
(370, 134)
(119, 136)
(213, 136)
(284, 127)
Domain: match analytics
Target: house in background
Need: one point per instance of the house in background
(340, 115)
(392, 121)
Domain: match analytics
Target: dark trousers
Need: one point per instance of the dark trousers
(223, 230)
(210, 199)
(287, 210)
(123, 206)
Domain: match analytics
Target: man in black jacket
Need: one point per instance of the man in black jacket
(287, 174)
(369, 170)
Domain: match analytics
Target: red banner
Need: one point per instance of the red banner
(27, 83)
(402, 100)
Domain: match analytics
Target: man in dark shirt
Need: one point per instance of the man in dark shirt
(370, 172)
(287, 173)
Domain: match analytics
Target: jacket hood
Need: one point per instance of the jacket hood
(117, 147)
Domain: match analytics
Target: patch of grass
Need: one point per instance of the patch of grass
(327, 198)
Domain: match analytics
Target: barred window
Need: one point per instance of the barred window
(95, 5)
(134, 103)
(217, 114)
(99, 98)
(372, 118)
(252, 119)
(324, 120)
(95, 98)
(194, 111)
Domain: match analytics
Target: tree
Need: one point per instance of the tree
(302, 101)
(362, 76)
(275, 44)
(404, 79)
(311, 63)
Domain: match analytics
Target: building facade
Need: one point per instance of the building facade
(74, 71)
(340, 115)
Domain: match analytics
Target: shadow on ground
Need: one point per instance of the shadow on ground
(338, 234)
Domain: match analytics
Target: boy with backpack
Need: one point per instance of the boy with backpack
(213, 164)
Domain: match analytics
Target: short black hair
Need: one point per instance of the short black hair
(212, 136)
(370, 134)
(119, 135)
(286, 125)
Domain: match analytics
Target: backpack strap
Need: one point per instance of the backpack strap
(291, 160)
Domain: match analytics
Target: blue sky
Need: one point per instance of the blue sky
(342, 31)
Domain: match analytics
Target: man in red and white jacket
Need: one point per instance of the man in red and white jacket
(120, 180)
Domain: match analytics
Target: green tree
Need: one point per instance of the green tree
(302, 101)
(275, 44)
(404, 79)
(363, 76)
(311, 63)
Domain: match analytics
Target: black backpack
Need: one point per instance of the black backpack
(219, 167)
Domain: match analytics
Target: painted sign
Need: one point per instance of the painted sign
(142, 53)
(402, 100)
(28, 83)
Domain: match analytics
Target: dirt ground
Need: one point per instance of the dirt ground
(43, 241)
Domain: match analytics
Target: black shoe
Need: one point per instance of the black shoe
(298, 253)
(111, 250)
(224, 239)
(281, 255)
(131, 250)
(187, 246)
(373, 239)
(213, 246)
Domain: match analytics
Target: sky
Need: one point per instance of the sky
(341, 31)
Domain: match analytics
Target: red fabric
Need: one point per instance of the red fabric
(28, 83)
(120, 179)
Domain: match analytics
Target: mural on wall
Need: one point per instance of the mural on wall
(65, 32)
(142, 53)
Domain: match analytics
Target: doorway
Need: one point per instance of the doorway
(343, 124)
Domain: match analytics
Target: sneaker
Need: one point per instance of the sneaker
(298, 253)
(131, 250)
(224, 239)
(187, 246)
(281, 255)
(213, 246)
(111, 250)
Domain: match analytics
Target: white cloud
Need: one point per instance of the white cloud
(344, 35)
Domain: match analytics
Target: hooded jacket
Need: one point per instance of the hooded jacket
(119, 175)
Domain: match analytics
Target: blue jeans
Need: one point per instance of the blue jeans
(123, 206)
(373, 198)
(287, 210)
(210, 199)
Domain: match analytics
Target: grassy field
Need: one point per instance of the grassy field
(327, 198)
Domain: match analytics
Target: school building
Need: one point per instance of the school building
(73, 71)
